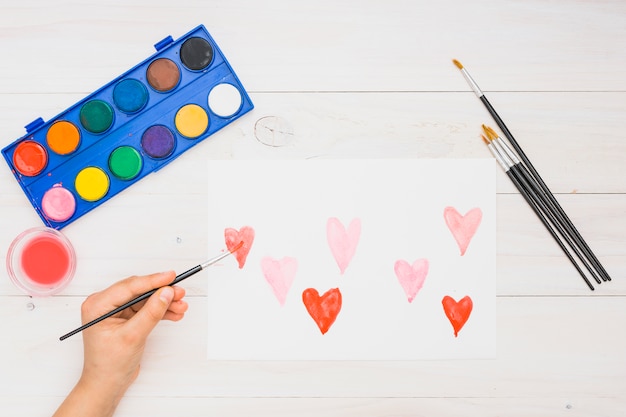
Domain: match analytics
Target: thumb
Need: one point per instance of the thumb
(144, 321)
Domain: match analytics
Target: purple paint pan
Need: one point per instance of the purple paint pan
(158, 142)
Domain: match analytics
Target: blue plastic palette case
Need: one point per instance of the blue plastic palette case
(134, 125)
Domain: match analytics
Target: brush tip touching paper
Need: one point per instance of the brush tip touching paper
(458, 64)
(236, 248)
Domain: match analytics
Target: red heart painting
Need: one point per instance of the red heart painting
(463, 228)
(234, 237)
(323, 309)
(457, 312)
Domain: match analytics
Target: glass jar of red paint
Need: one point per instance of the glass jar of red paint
(41, 261)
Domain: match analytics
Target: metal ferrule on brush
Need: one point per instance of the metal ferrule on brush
(472, 83)
(503, 153)
(507, 150)
(498, 157)
(217, 258)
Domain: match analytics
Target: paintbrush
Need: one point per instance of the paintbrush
(146, 295)
(532, 200)
(542, 185)
(521, 170)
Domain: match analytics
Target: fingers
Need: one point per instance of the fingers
(178, 307)
(179, 293)
(131, 287)
(153, 311)
(176, 311)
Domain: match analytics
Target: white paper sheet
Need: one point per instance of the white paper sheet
(393, 240)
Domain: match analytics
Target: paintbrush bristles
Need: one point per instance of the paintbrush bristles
(236, 248)
(468, 78)
(485, 139)
(491, 134)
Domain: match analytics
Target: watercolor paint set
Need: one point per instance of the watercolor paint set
(134, 125)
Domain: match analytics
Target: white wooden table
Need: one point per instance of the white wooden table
(341, 79)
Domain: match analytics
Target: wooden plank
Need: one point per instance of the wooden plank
(395, 45)
(340, 407)
(574, 140)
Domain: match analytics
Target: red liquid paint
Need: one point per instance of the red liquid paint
(323, 309)
(45, 260)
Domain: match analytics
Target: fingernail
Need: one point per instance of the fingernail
(167, 295)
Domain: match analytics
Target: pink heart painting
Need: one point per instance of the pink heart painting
(463, 228)
(411, 277)
(280, 275)
(234, 237)
(343, 242)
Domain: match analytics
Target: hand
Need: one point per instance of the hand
(113, 348)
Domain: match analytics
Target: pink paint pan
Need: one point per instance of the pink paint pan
(41, 261)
